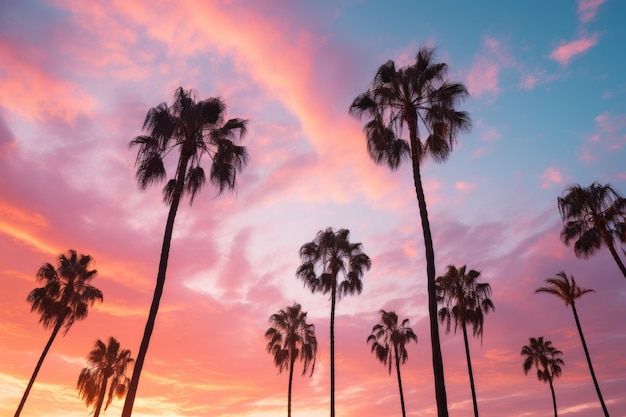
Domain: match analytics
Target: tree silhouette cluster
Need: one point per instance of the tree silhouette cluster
(418, 99)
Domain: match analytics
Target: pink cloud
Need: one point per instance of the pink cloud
(552, 176)
(483, 77)
(587, 9)
(464, 186)
(566, 51)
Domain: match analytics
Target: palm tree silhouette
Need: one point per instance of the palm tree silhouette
(567, 290)
(64, 298)
(193, 129)
(105, 362)
(466, 301)
(545, 358)
(593, 216)
(323, 259)
(389, 342)
(420, 97)
(291, 338)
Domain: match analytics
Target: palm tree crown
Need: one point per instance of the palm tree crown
(105, 362)
(593, 216)
(420, 98)
(330, 254)
(64, 298)
(291, 338)
(545, 358)
(389, 338)
(66, 293)
(194, 129)
(565, 288)
(389, 341)
(324, 259)
(413, 96)
(466, 301)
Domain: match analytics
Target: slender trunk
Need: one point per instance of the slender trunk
(469, 370)
(440, 386)
(609, 244)
(593, 375)
(158, 291)
(553, 396)
(103, 391)
(395, 351)
(332, 348)
(56, 329)
(292, 361)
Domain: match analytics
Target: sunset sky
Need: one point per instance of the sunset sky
(548, 104)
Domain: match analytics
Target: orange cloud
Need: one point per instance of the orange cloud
(29, 90)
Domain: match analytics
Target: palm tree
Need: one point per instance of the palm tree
(545, 358)
(466, 301)
(291, 338)
(593, 216)
(567, 290)
(193, 129)
(63, 299)
(105, 362)
(418, 96)
(389, 341)
(323, 259)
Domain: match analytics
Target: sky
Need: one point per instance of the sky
(547, 84)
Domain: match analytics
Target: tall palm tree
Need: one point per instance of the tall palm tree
(389, 342)
(291, 338)
(421, 98)
(323, 260)
(192, 129)
(567, 290)
(63, 299)
(593, 216)
(466, 301)
(545, 358)
(106, 362)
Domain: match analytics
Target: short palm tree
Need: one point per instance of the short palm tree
(63, 299)
(291, 338)
(332, 264)
(106, 362)
(466, 301)
(545, 358)
(593, 216)
(389, 342)
(567, 290)
(191, 129)
(420, 98)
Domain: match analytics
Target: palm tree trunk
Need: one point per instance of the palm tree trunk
(440, 386)
(593, 375)
(469, 370)
(158, 291)
(395, 349)
(103, 390)
(553, 397)
(56, 329)
(609, 244)
(332, 347)
(292, 361)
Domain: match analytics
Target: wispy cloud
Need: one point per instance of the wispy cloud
(566, 51)
(587, 9)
